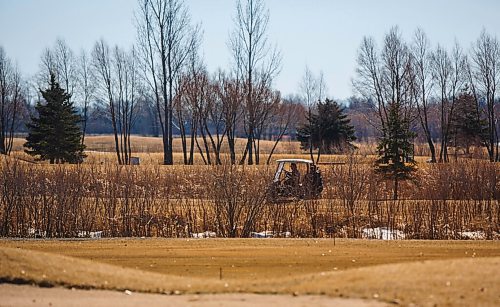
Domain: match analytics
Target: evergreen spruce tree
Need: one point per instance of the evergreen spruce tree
(467, 127)
(328, 129)
(55, 134)
(395, 149)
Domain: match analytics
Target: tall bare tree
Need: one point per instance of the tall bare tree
(214, 113)
(118, 85)
(441, 72)
(59, 60)
(190, 106)
(284, 118)
(230, 90)
(309, 88)
(166, 37)
(448, 73)
(485, 74)
(11, 98)
(313, 89)
(72, 73)
(322, 88)
(388, 79)
(397, 74)
(254, 60)
(86, 86)
(424, 84)
(269, 101)
(66, 66)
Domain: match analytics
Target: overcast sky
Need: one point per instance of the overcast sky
(323, 34)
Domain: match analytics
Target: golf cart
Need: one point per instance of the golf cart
(295, 179)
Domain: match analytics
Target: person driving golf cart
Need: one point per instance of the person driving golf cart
(289, 184)
(292, 177)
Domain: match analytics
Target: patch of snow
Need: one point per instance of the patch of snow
(270, 234)
(36, 233)
(206, 234)
(472, 235)
(90, 234)
(382, 233)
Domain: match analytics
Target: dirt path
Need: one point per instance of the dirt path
(14, 295)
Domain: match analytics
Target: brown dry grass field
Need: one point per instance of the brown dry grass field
(153, 145)
(425, 273)
(100, 150)
(150, 150)
(406, 272)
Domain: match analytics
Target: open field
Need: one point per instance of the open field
(100, 149)
(445, 201)
(463, 273)
(156, 203)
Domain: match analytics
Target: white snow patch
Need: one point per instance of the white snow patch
(472, 235)
(270, 234)
(206, 234)
(36, 233)
(90, 234)
(382, 233)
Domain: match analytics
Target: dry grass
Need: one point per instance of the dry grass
(255, 259)
(148, 144)
(420, 272)
(176, 201)
(100, 149)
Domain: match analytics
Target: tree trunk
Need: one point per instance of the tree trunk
(274, 147)
(232, 153)
(396, 185)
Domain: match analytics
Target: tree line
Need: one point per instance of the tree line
(163, 80)
(446, 98)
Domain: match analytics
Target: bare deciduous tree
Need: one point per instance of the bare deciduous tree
(313, 89)
(486, 74)
(448, 73)
(86, 88)
(214, 113)
(256, 63)
(322, 87)
(387, 78)
(166, 39)
(285, 117)
(441, 73)
(424, 85)
(11, 96)
(268, 101)
(66, 67)
(118, 85)
(190, 105)
(60, 61)
(230, 91)
(72, 73)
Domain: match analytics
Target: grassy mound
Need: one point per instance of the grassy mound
(473, 281)
(46, 269)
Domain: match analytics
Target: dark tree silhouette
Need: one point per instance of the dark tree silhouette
(55, 134)
(328, 129)
(395, 148)
(468, 128)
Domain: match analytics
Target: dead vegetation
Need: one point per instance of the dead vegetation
(453, 201)
(396, 272)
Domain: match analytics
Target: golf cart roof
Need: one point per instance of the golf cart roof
(295, 161)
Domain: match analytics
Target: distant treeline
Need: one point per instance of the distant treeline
(161, 86)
